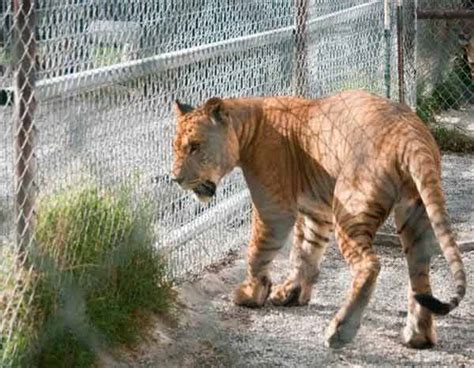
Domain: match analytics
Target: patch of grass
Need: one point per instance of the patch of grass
(97, 278)
(456, 89)
(5, 56)
(103, 56)
(18, 325)
(362, 80)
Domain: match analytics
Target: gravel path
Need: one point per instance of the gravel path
(210, 331)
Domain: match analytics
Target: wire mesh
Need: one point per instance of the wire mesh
(18, 200)
(346, 49)
(6, 134)
(106, 77)
(445, 55)
(107, 73)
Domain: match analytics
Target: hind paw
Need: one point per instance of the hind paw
(418, 340)
(290, 293)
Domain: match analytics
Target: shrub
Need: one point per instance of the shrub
(97, 274)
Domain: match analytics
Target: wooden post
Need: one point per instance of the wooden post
(300, 78)
(24, 69)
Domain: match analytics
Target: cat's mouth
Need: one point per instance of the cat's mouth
(205, 191)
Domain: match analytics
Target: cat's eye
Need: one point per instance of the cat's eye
(194, 147)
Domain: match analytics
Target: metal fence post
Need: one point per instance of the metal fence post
(300, 80)
(410, 30)
(24, 69)
(388, 46)
(401, 66)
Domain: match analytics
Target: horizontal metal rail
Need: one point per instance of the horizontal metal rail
(123, 72)
(48, 89)
(318, 21)
(202, 223)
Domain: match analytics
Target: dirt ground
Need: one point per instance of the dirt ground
(213, 332)
(462, 119)
(210, 331)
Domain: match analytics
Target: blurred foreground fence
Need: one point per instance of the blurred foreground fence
(87, 86)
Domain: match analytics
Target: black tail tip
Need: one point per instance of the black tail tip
(431, 303)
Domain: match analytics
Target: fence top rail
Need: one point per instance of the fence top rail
(47, 89)
(50, 88)
(351, 10)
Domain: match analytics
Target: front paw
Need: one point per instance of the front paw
(290, 293)
(253, 292)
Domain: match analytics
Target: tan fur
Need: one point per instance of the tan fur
(334, 164)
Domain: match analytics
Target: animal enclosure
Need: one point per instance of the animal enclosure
(86, 89)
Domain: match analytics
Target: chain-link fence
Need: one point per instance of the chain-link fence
(445, 61)
(106, 76)
(87, 88)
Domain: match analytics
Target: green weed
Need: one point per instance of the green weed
(97, 278)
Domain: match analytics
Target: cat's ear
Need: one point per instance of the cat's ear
(181, 108)
(214, 108)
